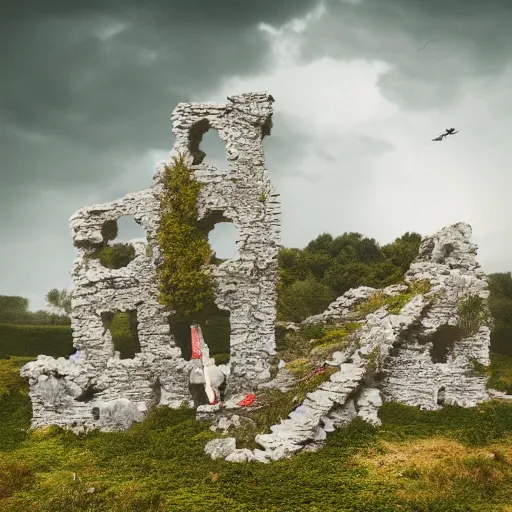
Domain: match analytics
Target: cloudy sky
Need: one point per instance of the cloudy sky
(87, 89)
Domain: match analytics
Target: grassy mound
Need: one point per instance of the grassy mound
(445, 461)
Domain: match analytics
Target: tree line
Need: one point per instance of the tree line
(310, 279)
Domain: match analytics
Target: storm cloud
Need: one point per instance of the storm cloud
(87, 89)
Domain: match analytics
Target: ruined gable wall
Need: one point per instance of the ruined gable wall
(67, 393)
(243, 195)
(448, 260)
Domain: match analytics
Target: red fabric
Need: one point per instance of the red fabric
(196, 345)
(316, 372)
(248, 400)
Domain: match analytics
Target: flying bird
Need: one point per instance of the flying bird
(426, 44)
(449, 131)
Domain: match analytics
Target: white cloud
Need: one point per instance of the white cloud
(415, 184)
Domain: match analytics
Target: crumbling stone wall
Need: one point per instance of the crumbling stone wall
(241, 194)
(396, 347)
(448, 260)
(101, 390)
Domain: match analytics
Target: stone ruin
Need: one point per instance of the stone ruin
(102, 391)
(401, 347)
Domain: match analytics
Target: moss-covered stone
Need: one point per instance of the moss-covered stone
(394, 303)
(275, 405)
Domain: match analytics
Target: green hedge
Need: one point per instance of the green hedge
(32, 340)
(56, 340)
(501, 340)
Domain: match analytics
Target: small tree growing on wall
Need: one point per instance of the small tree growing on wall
(185, 285)
(472, 314)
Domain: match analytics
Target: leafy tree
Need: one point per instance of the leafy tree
(384, 273)
(501, 310)
(302, 299)
(320, 244)
(316, 263)
(59, 299)
(403, 250)
(293, 265)
(13, 309)
(341, 278)
(500, 284)
(352, 240)
(348, 254)
(500, 305)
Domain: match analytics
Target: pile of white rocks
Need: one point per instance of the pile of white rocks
(394, 345)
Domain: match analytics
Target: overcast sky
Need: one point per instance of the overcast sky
(87, 89)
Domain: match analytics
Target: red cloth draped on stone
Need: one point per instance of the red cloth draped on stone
(196, 344)
(248, 400)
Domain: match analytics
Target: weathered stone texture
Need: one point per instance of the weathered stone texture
(395, 347)
(448, 260)
(72, 393)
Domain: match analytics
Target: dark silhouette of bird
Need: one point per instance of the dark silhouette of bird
(426, 44)
(449, 131)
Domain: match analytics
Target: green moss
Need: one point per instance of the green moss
(419, 286)
(113, 256)
(335, 338)
(185, 285)
(395, 303)
(473, 314)
(370, 305)
(298, 367)
(160, 465)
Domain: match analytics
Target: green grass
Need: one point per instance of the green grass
(395, 303)
(450, 460)
(160, 465)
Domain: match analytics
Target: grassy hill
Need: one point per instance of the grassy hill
(450, 460)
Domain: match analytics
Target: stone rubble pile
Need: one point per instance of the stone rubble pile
(394, 346)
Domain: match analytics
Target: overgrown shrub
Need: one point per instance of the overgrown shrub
(185, 286)
(473, 314)
(114, 256)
